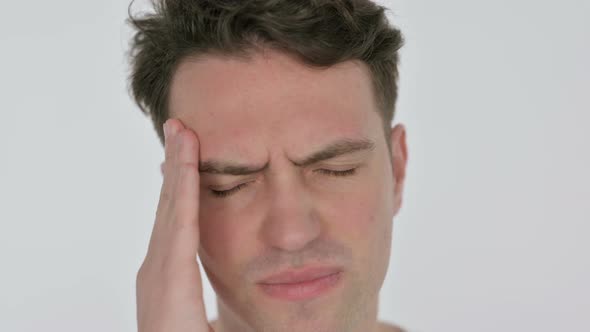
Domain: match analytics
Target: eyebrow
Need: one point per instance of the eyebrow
(336, 149)
(332, 150)
(230, 168)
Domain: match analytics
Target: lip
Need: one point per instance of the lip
(302, 284)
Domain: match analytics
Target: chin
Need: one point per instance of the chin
(317, 324)
(342, 311)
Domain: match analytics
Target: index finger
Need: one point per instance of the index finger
(186, 192)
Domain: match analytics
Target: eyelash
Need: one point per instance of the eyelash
(347, 172)
(225, 193)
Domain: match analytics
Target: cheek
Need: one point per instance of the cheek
(354, 216)
(213, 234)
(226, 240)
(362, 218)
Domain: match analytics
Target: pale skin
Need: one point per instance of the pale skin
(286, 112)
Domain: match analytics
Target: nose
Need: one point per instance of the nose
(291, 222)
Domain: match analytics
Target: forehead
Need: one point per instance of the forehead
(272, 100)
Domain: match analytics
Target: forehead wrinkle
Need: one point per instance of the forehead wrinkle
(231, 166)
(332, 150)
(225, 167)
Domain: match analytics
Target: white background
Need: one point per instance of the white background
(494, 231)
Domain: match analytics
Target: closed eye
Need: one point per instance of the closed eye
(225, 193)
(347, 172)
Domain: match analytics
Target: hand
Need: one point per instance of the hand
(169, 289)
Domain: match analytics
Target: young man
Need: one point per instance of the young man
(281, 171)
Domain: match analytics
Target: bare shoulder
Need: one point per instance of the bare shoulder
(386, 327)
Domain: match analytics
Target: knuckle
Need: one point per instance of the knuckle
(165, 197)
(142, 274)
(147, 272)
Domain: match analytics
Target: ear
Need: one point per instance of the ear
(399, 160)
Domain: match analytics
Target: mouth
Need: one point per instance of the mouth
(302, 284)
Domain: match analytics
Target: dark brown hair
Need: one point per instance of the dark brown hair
(320, 33)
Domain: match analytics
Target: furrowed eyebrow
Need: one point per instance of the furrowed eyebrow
(335, 149)
(332, 150)
(223, 167)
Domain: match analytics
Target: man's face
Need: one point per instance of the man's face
(312, 194)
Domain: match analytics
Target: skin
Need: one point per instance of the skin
(271, 110)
